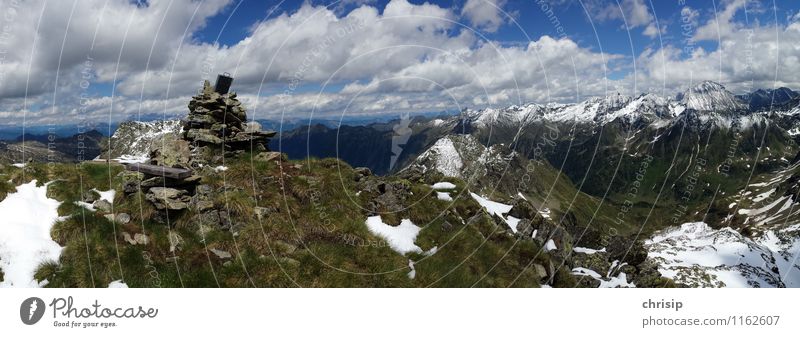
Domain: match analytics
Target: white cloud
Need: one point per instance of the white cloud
(485, 14)
(403, 57)
(633, 13)
(721, 25)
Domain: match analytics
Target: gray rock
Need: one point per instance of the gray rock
(122, 218)
(209, 219)
(171, 151)
(224, 220)
(269, 156)
(90, 196)
(175, 241)
(252, 126)
(102, 205)
(127, 237)
(168, 198)
(141, 239)
(203, 205)
(166, 192)
(262, 212)
(203, 136)
(221, 253)
(540, 271)
(131, 181)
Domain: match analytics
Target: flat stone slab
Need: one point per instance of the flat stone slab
(160, 171)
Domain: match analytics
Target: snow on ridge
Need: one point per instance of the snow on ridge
(447, 160)
(25, 243)
(697, 255)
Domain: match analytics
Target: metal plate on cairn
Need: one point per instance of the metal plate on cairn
(223, 84)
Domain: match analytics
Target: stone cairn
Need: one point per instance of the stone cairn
(215, 127)
(217, 124)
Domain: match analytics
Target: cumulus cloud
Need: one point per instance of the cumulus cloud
(633, 13)
(485, 14)
(748, 57)
(367, 60)
(119, 37)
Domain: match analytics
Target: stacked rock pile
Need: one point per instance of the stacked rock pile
(218, 121)
(216, 125)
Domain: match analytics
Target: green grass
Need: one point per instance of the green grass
(315, 236)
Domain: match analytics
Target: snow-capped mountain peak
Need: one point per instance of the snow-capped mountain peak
(710, 96)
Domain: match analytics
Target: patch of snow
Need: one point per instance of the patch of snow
(444, 196)
(550, 245)
(619, 281)
(588, 251)
(431, 251)
(413, 272)
(86, 205)
(545, 213)
(19, 165)
(117, 284)
(443, 186)
(106, 195)
(132, 159)
(763, 196)
(498, 209)
(400, 238)
(220, 168)
(25, 243)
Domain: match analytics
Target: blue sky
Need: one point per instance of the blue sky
(611, 35)
(291, 60)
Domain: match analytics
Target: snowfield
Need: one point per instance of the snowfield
(25, 242)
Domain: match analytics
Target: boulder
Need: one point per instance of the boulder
(261, 212)
(141, 239)
(102, 205)
(540, 271)
(203, 136)
(252, 126)
(170, 151)
(89, 196)
(269, 156)
(131, 181)
(122, 218)
(175, 241)
(221, 253)
(168, 198)
(127, 237)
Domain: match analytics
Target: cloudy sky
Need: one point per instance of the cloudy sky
(91, 61)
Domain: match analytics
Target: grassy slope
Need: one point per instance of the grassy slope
(316, 236)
